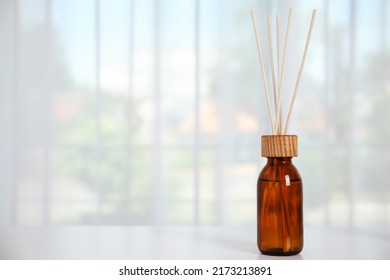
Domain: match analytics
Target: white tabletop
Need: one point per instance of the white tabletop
(111, 242)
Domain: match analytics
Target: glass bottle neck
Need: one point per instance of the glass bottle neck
(279, 160)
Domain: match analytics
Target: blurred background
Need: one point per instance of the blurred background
(148, 112)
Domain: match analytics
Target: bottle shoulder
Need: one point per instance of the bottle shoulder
(278, 170)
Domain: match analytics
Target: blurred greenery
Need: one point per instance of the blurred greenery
(375, 155)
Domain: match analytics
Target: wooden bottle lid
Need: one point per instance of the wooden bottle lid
(279, 146)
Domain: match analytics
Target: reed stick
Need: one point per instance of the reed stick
(271, 54)
(278, 112)
(279, 125)
(300, 69)
(263, 72)
(278, 46)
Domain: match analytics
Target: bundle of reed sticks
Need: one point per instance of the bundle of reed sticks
(275, 112)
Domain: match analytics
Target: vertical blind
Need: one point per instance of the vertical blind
(150, 112)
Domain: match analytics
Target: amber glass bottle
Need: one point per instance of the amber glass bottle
(279, 198)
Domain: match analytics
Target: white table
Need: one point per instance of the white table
(112, 242)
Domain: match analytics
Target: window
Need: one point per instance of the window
(150, 112)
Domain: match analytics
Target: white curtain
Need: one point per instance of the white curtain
(147, 112)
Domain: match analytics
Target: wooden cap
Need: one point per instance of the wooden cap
(279, 146)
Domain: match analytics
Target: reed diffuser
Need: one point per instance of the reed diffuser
(279, 186)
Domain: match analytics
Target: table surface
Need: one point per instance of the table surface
(145, 243)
